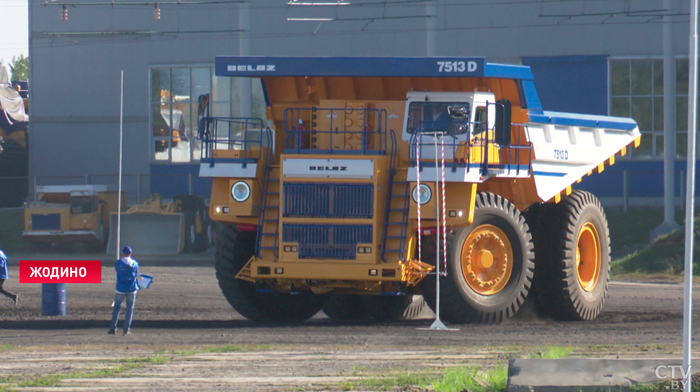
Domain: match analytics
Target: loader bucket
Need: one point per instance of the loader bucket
(149, 234)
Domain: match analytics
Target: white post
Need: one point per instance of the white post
(669, 123)
(430, 28)
(437, 324)
(246, 88)
(690, 196)
(121, 133)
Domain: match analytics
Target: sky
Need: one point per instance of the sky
(13, 29)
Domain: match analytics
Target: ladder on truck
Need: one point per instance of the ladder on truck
(268, 222)
(396, 215)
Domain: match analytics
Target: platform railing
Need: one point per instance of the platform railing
(324, 131)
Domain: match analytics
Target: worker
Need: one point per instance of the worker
(4, 275)
(127, 287)
(437, 120)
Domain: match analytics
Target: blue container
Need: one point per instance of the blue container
(53, 299)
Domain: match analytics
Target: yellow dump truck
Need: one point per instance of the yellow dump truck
(70, 213)
(380, 175)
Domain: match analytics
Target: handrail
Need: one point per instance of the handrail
(234, 133)
(461, 152)
(306, 139)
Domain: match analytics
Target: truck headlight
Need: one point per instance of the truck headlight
(240, 191)
(423, 194)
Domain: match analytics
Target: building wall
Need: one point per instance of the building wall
(76, 64)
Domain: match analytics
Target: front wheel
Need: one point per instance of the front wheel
(490, 265)
(573, 258)
(233, 251)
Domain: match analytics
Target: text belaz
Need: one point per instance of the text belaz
(251, 68)
(328, 168)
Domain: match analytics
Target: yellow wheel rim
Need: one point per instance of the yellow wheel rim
(487, 260)
(588, 257)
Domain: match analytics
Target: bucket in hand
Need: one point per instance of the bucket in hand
(146, 280)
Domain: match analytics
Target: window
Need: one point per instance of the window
(433, 117)
(83, 204)
(174, 103)
(480, 124)
(636, 90)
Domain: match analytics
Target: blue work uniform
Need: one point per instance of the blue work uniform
(127, 287)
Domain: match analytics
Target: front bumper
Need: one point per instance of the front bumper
(60, 236)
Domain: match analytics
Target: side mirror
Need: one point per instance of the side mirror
(458, 111)
(503, 122)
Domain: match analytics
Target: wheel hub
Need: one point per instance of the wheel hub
(588, 257)
(487, 260)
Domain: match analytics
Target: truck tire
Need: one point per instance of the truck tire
(100, 245)
(490, 265)
(573, 258)
(367, 307)
(386, 308)
(233, 250)
(190, 233)
(345, 307)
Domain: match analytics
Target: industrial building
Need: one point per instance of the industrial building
(588, 56)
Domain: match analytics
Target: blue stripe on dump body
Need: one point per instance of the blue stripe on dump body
(508, 71)
(583, 120)
(327, 241)
(532, 99)
(549, 174)
(445, 67)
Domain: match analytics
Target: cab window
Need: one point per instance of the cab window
(83, 204)
(480, 120)
(434, 117)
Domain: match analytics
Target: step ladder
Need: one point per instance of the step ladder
(396, 215)
(268, 225)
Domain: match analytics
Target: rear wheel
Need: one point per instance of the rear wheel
(573, 258)
(490, 265)
(233, 250)
(386, 308)
(344, 307)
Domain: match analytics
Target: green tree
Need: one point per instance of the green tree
(20, 68)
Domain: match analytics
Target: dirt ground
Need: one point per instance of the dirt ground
(187, 337)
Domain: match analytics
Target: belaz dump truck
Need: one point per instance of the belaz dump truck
(381, 175)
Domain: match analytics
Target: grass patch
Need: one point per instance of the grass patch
(663, 256)
(631, 229)
(553, 352)
(158, 359)
(6, 347)
(52, 380)
(229, 348)
(455, 379)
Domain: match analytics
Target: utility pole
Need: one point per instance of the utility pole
(430, 28)
(669, 224)
(246, 95)
(690, 197)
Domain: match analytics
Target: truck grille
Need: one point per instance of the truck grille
(46, 221)
(327, 241)
(324, 200)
